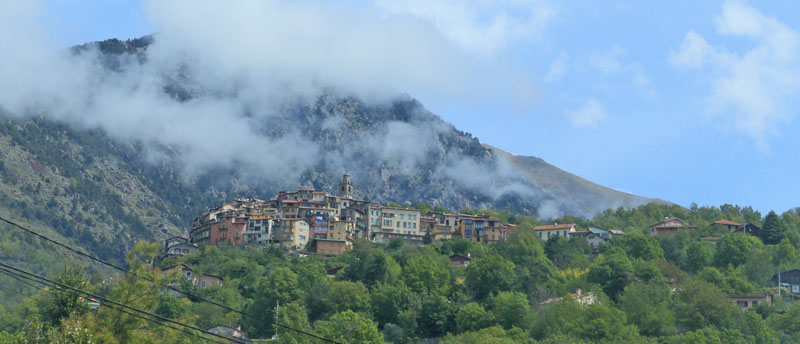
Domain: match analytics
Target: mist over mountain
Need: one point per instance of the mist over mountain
(163, 138)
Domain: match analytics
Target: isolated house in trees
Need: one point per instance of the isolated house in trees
(749, 229)
(177, 246)
(547, 231)
(230, 332)
(669, 226)
(197, 280)
(726, 224)
(597, 237)
(749, 300)
(789, 279)
(459, 260)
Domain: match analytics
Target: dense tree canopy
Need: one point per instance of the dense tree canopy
(637, 289)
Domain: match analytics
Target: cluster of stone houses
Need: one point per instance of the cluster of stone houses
(293, 219)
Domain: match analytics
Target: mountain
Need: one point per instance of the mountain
(142, 165)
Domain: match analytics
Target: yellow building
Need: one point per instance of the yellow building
(548, 231)
(341, 230)
(398, 220)
(294, 233)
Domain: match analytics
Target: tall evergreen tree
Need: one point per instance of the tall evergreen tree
(774, 229)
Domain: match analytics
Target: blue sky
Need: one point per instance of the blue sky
(681, 100)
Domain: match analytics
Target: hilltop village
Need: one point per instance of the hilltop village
(315, 221)
(330, 222)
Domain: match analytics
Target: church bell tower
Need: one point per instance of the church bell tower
(345, 187)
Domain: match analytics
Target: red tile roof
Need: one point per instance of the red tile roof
(727, 222)
(547, 227)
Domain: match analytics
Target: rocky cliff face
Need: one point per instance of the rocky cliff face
(148, 173)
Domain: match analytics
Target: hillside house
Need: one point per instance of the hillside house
(728, 225)
(177, 246)
(235, 333)
(749, 300)
(749, 229)
(460, 261)
(597, 237)
(198, 281)
(332, 247)
(547, 231)
(789, 279)
(669, 226)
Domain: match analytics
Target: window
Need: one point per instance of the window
(237, 235)
(548, 235)
(203, 284)
(565, 234)
(540, 235)
(415, 225)
(398, 224)
(741, 303)
(400, 216)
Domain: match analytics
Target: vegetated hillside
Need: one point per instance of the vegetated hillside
(106, 192)
(588, 197)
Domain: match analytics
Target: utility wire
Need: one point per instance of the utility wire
(162, 318)
(118, 309)
(24, 279)
(62, 245)
(189, 294)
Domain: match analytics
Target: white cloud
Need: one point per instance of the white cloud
(558, 68)
(608, 61)
(589, 114)
(482, 27)
(613, 63)
(246, 57)
(751, 89)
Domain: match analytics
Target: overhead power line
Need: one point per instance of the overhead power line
(21, 272)
(186, 293)
(109, 306)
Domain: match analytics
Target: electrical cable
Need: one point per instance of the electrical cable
(109, 306)
(98, 297)
(189, 294)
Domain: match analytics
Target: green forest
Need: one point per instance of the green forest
(637, 289)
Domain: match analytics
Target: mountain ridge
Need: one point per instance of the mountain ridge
(106, 190)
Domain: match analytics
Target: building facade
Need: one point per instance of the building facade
(555, 230)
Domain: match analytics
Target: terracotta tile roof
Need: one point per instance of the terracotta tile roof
(727, 222)
(548, 227)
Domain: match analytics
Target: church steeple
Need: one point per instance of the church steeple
(345, 187)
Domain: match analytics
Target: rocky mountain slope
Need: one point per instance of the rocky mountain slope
(105, 190)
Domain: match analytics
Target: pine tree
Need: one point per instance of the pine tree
(774, 229)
